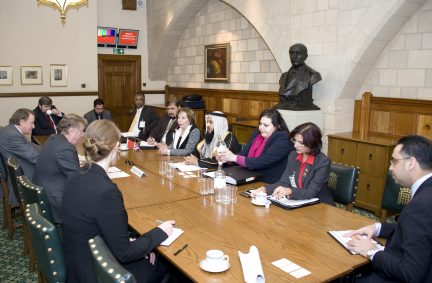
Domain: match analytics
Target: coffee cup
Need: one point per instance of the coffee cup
(49, 112)
(261, 198)
(216, 258)
(123, 146)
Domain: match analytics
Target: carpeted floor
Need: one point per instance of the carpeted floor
(14, 265)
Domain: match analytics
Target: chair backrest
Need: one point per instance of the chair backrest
(32, 193)
(46, 245)
(342, 183)
(394, 197)
(3, 168)
(15, 170)
(106, 266)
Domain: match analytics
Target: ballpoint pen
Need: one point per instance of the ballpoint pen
(162, 221)
(180, 250)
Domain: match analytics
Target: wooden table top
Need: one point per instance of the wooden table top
(299, 235)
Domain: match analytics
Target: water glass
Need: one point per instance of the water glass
(169, 170)
(205, 186)
(201, 173)
(162, 167)
(231, 193)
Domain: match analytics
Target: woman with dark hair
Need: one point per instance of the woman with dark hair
(185, 137)
(267, 149)
(308, 169)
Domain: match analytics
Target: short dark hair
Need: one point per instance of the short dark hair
(276, 119)
(312, 136)
(98, 101)
(171, 100)
(139, 94)
(418, 147)
(45, 100)
(20, 114)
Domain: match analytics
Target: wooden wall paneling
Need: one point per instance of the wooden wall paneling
(357, 116)
(424, 126)
(405, 124)
(380, 122)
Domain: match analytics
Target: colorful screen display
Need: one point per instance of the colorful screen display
(106, 36)
(128, 37)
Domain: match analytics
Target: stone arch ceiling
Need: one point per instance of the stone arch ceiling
(167, 19)
(356, 55)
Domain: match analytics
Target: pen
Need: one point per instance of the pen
(179, 250)
(162, 221)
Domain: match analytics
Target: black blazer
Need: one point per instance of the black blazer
(57, 160)
(93, 205)
(42, 125)
(158, 131)
(273, 159)
(151, 120)
(314, 179)
(407, 256)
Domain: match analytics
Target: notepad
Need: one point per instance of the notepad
(114, 172)
(293, 203)
(176, 233)
(183, 167)
(341, 239)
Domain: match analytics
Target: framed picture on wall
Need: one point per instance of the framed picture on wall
(216, 65)
(6, 75)
(31, 75)
(58, 75)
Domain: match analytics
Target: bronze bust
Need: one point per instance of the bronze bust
(295, 86)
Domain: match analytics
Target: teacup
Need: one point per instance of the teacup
(261, 198)
(123, 146)
(216, 258)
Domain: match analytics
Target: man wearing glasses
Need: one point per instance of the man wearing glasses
(407, 256)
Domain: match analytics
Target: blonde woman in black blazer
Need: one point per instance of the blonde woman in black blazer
(93, 205)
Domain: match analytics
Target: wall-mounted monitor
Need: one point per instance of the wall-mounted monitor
(127, 38)
(106, 36)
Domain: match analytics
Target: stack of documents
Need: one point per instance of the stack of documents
(251, 265)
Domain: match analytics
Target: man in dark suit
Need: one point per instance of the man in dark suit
(58, 159)
(14, 143)
(164, 131)
(98, 112)
(145, 118)
(47, 117)
(407, 256)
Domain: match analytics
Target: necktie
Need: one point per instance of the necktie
(50, 121)
(134, 122)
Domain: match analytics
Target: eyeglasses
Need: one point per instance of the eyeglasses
(393, 161)
(300, 143)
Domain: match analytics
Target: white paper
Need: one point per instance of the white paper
(146, 144)
(251, 265)
(299, 273)
(130, 134)
(229, 179)
(114, 172)
(338, 235)
(176, 233)
(183, 167)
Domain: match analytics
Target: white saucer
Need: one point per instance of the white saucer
(203, 264)
(260, 204)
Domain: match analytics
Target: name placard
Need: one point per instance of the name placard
(137, 171)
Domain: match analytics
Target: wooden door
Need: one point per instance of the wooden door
(119, 80)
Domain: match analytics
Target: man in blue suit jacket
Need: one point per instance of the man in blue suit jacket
(14, 143)
(407, 256)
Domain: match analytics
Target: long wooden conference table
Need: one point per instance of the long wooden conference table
(298, 235)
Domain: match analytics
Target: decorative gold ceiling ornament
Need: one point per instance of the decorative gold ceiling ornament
(62, 5)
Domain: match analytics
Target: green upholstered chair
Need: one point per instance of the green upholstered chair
(106, 266)
(32, 193)
(342, 183)
(394, 197)
(47, 245)
(13, 169)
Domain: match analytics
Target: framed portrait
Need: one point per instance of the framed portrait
(216, 65)
(31, 75)
(6, 75)
(58, 75)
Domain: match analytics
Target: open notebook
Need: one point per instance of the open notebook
(292, 203)
(341, 239)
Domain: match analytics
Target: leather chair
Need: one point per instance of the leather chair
(8, 210)
(106, 266)
(394, 197)
(13, 169)
(32, 193)
(342, 183)
(47, 246)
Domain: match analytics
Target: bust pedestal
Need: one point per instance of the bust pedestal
(295, 118)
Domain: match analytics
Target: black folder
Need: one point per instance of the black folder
(237, 175)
